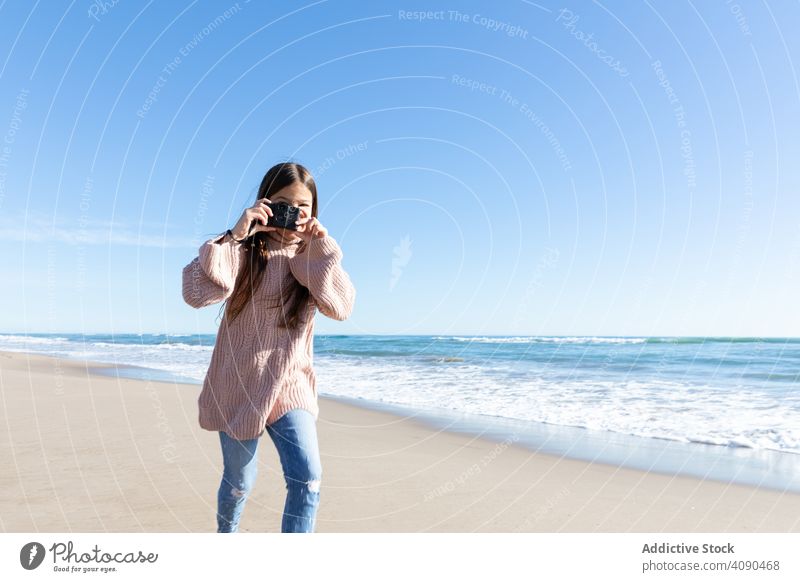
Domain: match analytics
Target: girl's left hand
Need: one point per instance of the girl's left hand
(309, 227)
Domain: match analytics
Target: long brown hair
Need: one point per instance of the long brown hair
(294, 295)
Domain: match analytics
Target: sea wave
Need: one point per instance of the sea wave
(741, 395)
(544, 339)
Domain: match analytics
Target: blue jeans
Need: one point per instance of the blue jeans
(295, 437)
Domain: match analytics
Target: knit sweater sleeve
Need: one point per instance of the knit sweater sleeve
(210, 277)
(319, 268)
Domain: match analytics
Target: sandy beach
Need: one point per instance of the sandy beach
(84, 452)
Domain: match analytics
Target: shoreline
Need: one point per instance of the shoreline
(764, 469)
(93, 452)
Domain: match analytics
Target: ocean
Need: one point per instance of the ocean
(717, 407)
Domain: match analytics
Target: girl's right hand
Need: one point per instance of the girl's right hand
(258, 213)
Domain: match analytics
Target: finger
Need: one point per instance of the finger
(264, 217)
(263, 204)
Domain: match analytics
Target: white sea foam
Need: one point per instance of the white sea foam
(675, 410)
(181, 359)
(698, 405)
(543, 339)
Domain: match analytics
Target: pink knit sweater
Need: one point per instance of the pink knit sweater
(259, 371)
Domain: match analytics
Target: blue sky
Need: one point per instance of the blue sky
(488, 168)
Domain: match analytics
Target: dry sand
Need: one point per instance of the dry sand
(83, 452)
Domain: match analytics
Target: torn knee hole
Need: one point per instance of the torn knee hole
(314, 485)
(238, 492)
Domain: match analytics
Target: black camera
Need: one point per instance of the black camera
(283, 215)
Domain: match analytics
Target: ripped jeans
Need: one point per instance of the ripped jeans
(295, 437)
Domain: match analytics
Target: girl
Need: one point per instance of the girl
(261, 375)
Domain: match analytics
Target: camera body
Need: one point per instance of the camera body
(283, 215)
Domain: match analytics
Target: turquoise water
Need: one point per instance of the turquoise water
(734, 396)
